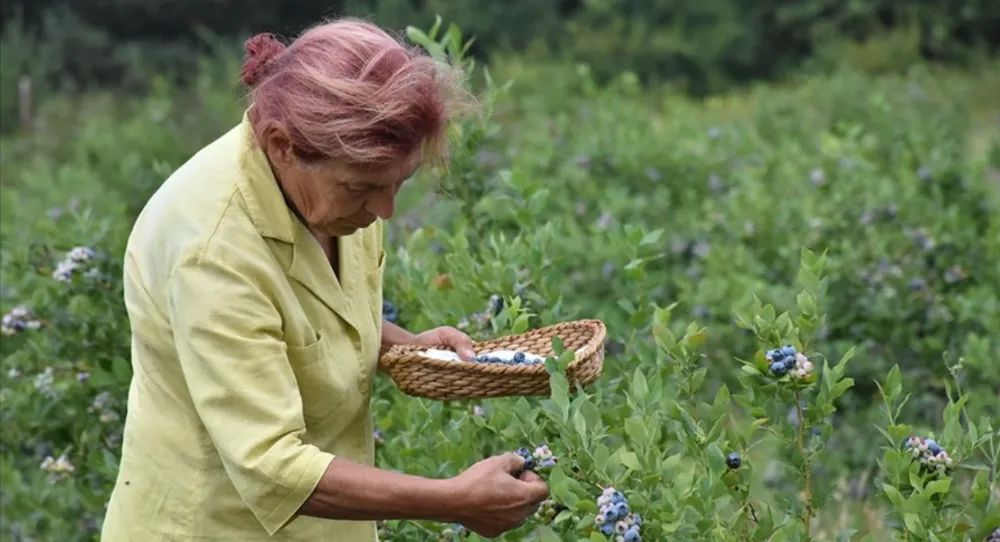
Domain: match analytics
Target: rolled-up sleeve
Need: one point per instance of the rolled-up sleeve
(228, 337)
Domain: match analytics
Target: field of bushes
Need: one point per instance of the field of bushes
(852, 216)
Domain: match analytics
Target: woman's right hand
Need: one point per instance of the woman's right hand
(491, 500)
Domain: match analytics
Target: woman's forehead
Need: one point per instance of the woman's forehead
(384, 175)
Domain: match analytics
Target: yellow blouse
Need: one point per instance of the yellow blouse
(252, 364)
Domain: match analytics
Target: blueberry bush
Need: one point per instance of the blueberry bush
(799, 285)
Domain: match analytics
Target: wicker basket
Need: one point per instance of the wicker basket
(446, 380)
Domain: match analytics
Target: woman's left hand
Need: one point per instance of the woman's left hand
(450, 337)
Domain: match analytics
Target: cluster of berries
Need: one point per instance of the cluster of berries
(548, 510)
(518, 358)
(19, 319)
(57, 466)
(541, 458)
(454, 532)
(74, 261)
(615, 519)
(786, 360)
(384, 533)
(930, 454)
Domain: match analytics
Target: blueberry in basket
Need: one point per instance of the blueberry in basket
(509, 357)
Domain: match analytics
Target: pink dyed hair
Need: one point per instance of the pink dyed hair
(350, 92)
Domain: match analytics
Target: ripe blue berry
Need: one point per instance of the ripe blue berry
(733, 460)
(608, 529)
(788, 350)
(389, 311)
(632, 535)
(520, 357)
(779, 368)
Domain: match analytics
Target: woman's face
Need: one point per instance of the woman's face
(335, 199)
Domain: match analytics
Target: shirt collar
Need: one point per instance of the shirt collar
(266, 203)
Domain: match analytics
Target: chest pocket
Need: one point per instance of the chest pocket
(328, 374)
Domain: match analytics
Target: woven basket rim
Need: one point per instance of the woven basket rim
(411, 351)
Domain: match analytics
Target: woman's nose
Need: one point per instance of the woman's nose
(383, 205)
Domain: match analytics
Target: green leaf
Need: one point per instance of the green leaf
(698, 377)
(894, 496)
(886, 435)
(547, 534)
(843, 360)
(580, 425)
(722, 397)
(914, 524)
(630, 460)
(110, 461)
(559, 487)
(640, 389)
(840, 388)
(669, 465)
(651, 238)
(694, 338)
(768, 315)
(560, 393)
(636, 430)
(122, 369)
(938, 486)
(807, 303)
(627, 306)
(893, 384)
(521, 324)
(601, 454)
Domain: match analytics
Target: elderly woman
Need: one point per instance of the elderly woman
(253, 283)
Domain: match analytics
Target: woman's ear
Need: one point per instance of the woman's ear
(279, 147)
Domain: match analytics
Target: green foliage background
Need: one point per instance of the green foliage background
(586, 194)
(702, 47)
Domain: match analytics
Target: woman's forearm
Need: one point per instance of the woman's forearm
(393, 335)
(355, 492)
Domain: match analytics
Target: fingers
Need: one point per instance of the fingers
(535, 485)
(530, 477)
(461, 342)
(511, 462)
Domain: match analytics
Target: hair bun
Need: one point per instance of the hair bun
(261, 50)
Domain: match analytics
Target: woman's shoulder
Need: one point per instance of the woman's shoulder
(199, 208)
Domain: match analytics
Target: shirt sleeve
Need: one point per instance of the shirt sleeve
(227, 332)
